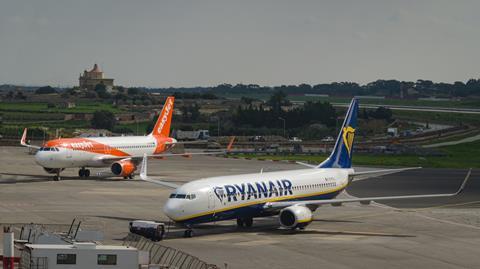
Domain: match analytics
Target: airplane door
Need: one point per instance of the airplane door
(211, 200)
(68, 152)
(107, 150)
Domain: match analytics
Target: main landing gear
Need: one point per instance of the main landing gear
(244, 222)
(84, 173)
(129, 176)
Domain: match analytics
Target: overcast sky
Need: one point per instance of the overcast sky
(187, 43)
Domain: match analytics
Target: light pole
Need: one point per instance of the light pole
(284, 122)
(212, 119)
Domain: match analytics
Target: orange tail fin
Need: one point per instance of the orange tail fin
(162, 127)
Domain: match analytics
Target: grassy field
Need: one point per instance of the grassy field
(437, 117)
(457, 156)
(398, 102)
(81, 107)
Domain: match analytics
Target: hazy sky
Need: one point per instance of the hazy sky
(186, 43)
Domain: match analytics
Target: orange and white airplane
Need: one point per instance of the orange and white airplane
(122, 154)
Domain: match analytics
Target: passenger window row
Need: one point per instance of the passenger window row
(318, 185)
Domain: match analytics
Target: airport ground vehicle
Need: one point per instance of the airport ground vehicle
(192, 135)
(149, 229)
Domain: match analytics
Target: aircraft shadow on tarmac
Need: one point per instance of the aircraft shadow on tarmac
(12, 178)
(262, 226)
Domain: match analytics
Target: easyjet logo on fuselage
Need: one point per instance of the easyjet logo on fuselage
(165, 115)
(82, 145)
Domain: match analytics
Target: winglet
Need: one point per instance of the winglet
(23, 141)
(467, 177)
(229, 147)
(143, 169)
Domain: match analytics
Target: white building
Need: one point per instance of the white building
(79, 255)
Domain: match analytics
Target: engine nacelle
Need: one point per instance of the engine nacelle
(123, 168)
(295, 216)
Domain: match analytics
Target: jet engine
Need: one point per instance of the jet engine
(295, 216)
(123, 168)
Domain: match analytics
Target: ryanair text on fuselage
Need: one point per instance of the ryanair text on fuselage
(256, 190)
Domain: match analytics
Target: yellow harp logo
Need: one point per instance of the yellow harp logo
(348, 134)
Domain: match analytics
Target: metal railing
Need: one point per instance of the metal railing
(166, 257)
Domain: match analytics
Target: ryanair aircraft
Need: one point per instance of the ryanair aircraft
(293, 194)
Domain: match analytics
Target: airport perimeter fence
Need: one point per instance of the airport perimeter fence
(166, 257)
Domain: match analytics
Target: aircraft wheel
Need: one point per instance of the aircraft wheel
(240, 222)
(56, 178)
(87, 173)
(81, 172)
(130, 176)
(248, 222)
(188, 233)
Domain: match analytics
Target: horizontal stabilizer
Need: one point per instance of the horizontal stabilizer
(144, 176)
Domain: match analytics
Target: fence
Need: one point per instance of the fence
(165, 256)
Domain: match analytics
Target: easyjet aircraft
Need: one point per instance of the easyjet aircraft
(122, 154)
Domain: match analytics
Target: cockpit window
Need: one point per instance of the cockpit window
(183, 196)
(48, 149)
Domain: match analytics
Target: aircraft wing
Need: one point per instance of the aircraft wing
(365, 200)
(366, 174)
(109, 158)
(144, 176)
(23, 141)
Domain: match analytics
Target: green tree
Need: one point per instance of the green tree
(101, 90)
(277, 100)
(45, 90)
(20, 95)
(103, 120)
(382, 113)
(133, 91)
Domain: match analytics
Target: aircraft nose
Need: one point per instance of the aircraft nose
(40, 158)
(173, 209)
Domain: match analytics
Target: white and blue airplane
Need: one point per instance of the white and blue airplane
(291, 194)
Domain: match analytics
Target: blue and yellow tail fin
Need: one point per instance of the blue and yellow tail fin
(341, 156)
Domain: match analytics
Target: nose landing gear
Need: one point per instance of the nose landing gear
(55, 171)
(188, 232)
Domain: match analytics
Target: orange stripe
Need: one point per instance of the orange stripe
(87, 145)
(161, 144)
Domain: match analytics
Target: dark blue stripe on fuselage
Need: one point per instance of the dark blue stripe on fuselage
(252, 211)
